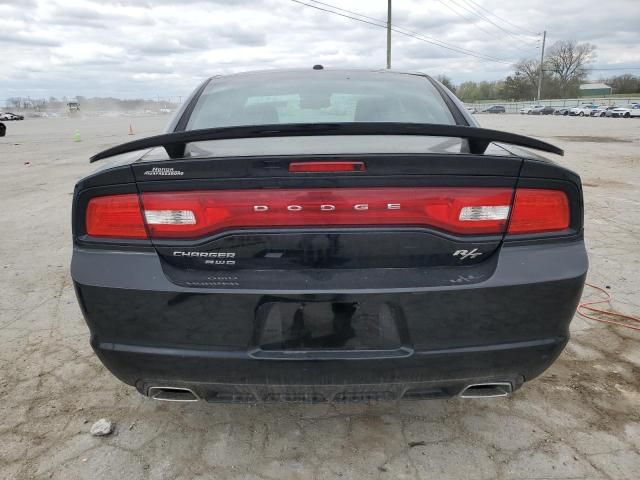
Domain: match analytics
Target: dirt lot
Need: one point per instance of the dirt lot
(579, 420)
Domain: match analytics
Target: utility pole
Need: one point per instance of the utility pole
(544, 39)
(388, 34)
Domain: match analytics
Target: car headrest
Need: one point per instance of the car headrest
(260, 113)
(375, 110)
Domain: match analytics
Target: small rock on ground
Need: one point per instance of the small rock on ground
(101, 427)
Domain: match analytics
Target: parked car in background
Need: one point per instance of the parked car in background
(619, 112)
(543, 111)
(495, 109)
(582, 110)
(562, 111)
(8, 116)
(236, 263)
(471, 109)
(530, 109)
(601, 111)
(635, 110)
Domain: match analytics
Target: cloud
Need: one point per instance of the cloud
(80, 15)
(21, 39)
(240, 35)
(139, 48)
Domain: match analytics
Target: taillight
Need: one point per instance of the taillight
(320, 167)
(115, 216)
(199, 213)
(459, 210)
(539, 210)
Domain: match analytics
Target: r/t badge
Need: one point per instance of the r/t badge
(464, 254)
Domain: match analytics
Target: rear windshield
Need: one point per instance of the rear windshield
(319, 97)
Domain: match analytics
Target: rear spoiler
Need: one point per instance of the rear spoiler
(478, 138)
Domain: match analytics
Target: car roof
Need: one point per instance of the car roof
(281, 72)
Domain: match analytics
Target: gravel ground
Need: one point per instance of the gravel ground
(579, 420)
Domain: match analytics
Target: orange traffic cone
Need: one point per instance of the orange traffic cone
(130, 130)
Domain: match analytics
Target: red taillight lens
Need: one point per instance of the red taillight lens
(539, 210)
(461, 210)
(319, 167)
(115, 216)
(200, 213)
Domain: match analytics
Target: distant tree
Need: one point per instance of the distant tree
(468, 92)
(39, 104)
(626, 83)
(517, 87)
(568, 61)
(528, 71)
(472, 91)
(490, 90)
(446, 81)
(14, 102)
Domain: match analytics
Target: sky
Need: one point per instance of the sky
(165, 48)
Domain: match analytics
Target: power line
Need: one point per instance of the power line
(420, 37)
(406, 30)
(470, 8)
(504, 19)
(464, 17)
(472, 22)
(407, 33)
(483, 17)
(350, 11)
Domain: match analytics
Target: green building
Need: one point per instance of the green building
(595, 90)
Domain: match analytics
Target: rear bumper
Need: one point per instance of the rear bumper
(224, 376)
(509, 327)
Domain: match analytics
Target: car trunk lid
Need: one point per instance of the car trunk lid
(277, 212)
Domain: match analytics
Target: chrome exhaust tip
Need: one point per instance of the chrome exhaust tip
(172, 394)
(487, 390)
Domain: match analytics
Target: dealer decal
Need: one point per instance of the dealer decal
(164, 172)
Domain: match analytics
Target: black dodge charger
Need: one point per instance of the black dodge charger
(327, 235)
